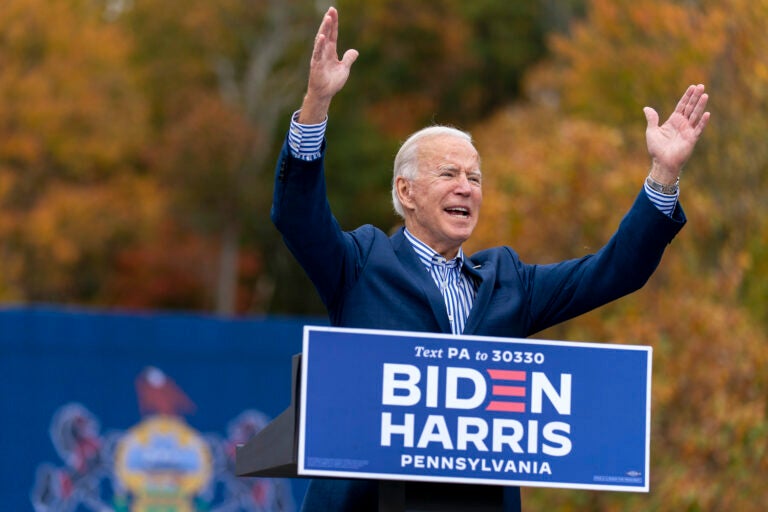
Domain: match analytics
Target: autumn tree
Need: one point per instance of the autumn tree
(186, 106)
(562, 168)
(72, 125)
(219, 76)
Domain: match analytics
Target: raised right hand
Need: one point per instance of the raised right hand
(327, 74)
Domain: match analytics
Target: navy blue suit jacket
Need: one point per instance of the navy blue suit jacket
(368, 279)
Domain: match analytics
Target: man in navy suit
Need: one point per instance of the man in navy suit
(419, 279)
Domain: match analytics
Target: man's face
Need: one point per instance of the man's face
(442, 203)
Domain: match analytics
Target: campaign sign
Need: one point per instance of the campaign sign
(478, 410)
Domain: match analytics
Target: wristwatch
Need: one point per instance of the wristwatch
(661, 188)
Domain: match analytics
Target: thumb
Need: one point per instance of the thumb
(651, 116)
(350, 56)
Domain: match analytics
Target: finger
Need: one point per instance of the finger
(702, 124)
(317, 51)
(698, 109)
(325, 41)
(325, 24)
(322, 35)
(652, 117)
(680, 108)
(326, 27)
(333, 32)
(693, 101)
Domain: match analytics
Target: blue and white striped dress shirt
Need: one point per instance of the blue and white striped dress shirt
(458, 290)
(306, 140)
(664, 202)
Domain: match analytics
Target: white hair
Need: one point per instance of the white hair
(407, 158)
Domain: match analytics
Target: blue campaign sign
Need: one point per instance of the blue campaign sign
(480, 410)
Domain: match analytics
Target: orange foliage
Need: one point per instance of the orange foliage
(175, 269)
(202, 157)
(69, 102)
(69, 238)
(562, 169)
(540, 170)
(166, 273)
(72, 123)
(631, 51)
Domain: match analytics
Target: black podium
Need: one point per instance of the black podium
(273, 452)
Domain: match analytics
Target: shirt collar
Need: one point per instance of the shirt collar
(428, 256)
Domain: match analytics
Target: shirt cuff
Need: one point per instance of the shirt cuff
(665, 203)
(306, 140)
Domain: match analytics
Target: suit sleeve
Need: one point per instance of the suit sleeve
(561, 291)
(300, 211)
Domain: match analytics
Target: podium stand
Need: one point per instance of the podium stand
(273, 452)
(447, 423)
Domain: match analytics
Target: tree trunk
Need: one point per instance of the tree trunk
(226, 287)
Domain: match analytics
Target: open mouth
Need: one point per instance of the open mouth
(458, 211)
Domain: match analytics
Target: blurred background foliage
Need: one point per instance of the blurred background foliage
(137, 140)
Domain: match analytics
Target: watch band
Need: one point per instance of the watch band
(661, 188)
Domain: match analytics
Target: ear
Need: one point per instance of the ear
(403, 186)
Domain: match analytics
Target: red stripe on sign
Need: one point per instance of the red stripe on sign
(507, 374)
(506, 406)
(508, 391)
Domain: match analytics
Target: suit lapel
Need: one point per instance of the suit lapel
(483, 276)
(421, 278)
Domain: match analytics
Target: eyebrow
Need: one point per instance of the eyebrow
(454, 167)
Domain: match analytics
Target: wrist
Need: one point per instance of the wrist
(314, 110)
(662, 175)
(669, 189)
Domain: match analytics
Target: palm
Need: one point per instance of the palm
(328, 75)
(671, 144)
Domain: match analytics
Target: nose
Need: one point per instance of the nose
(463, 186)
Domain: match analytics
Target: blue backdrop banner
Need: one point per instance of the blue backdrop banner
(415, 406)
(137, 412)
